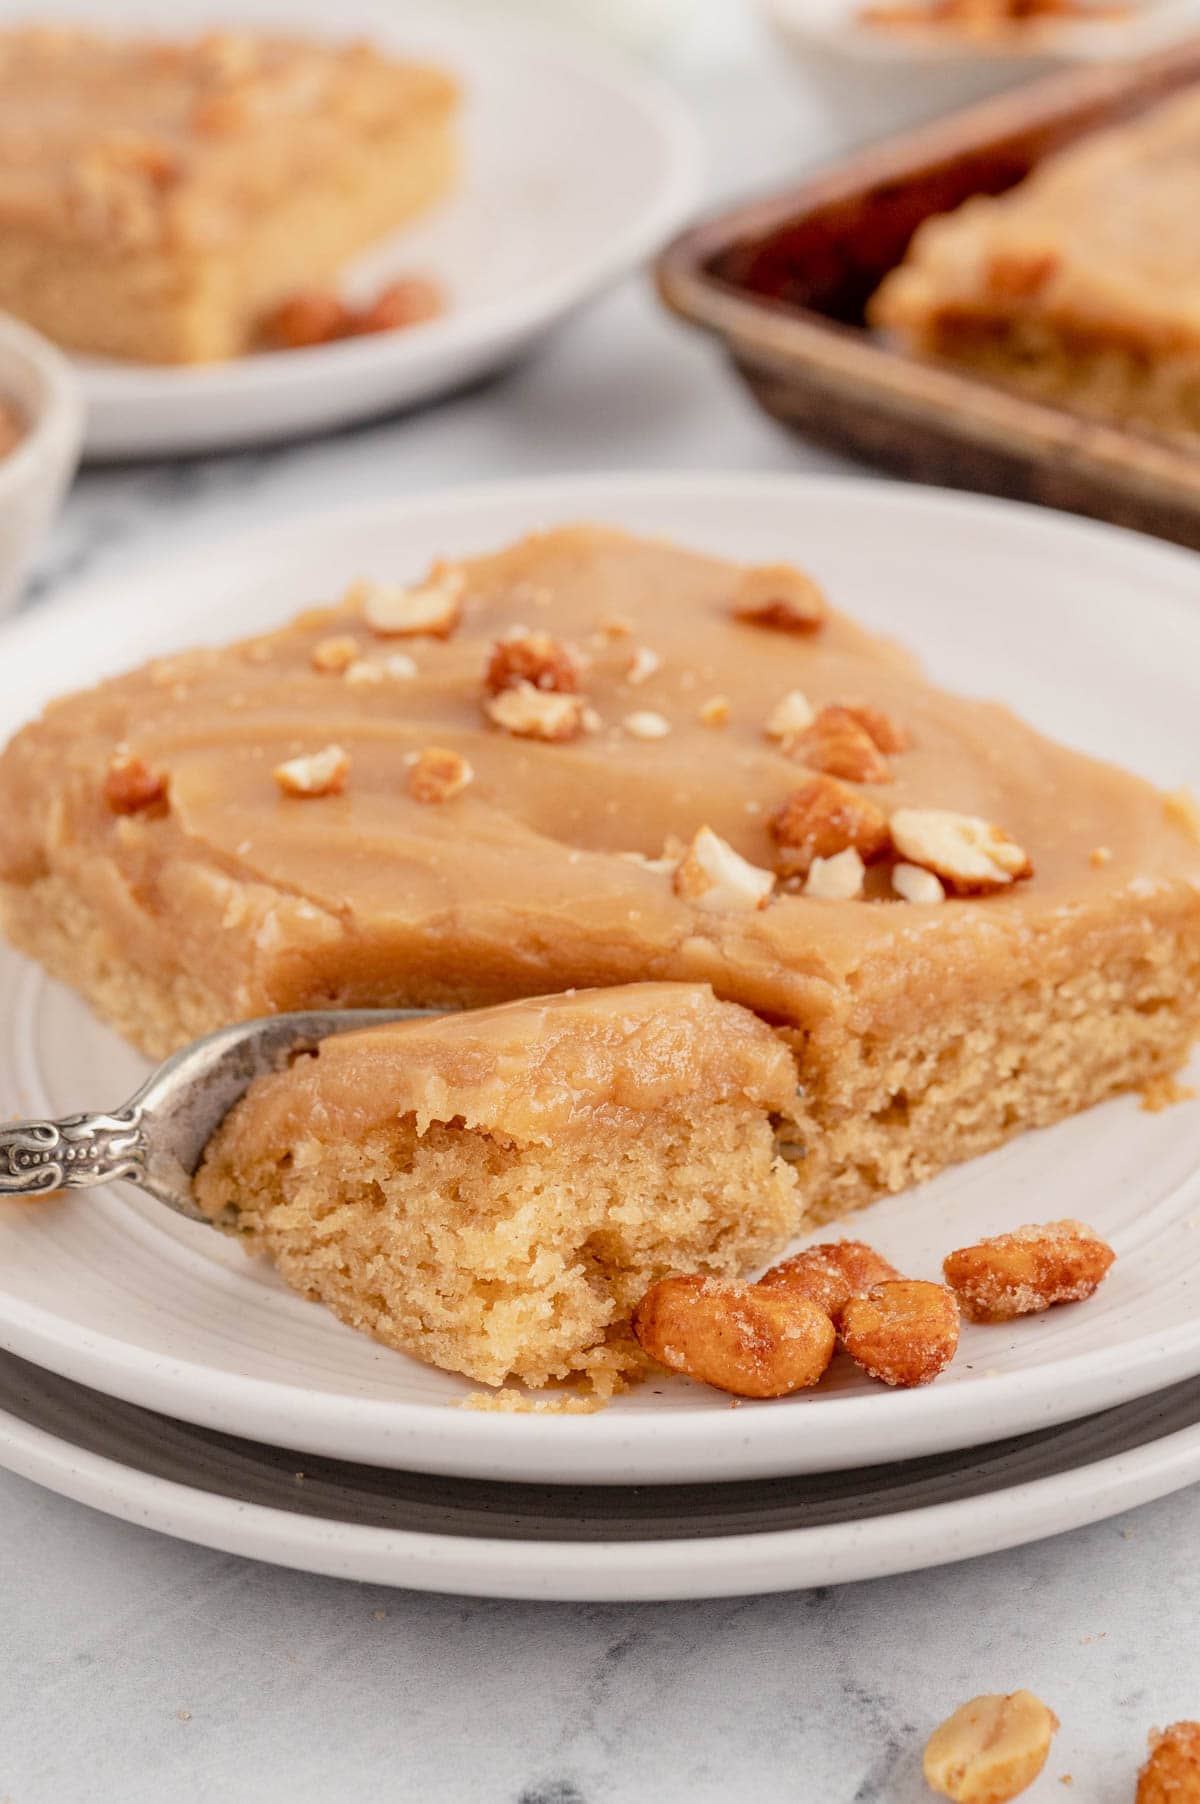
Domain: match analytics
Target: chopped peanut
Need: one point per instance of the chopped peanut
(781, 598)
(537, 658)
(531, 713)
(990, 1749)
(715, 877)
(836, 744)
(645, 724)
(322, 773)
(836, 879)
(336, 654)
(130, 786)
(824, 817)
(903, 1331)
(790, 716)
(915, 885)
(714, 712)
(735, 1336)
(1028, 1270)
(438, 775)
(1172, 1773)
(396, 667)
(642, 665)
(830, 1274)
(431, 608)
(970, 855)
(887, 733)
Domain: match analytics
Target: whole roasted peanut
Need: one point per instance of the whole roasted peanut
(312, 317)
(1172, 1773)
(990, 1749)
(735, 1336)
(1027, 1270)
(903, 1331)
(406, 302)
(830, 1274)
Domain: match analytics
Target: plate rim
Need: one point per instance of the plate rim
(240, 1403)
(662, 1570)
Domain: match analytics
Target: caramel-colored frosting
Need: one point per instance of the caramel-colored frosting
(532, 876)
(136, 140)
(1102, 241)
(531, 1070)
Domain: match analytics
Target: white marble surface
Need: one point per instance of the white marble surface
(135, 1669)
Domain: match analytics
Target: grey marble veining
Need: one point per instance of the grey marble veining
(135, 1669)
(138, 1669)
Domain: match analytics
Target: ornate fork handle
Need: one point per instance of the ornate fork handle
(38, 1156)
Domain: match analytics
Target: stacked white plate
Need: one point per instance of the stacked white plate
(221, 1407)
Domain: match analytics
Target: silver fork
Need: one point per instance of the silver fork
(158, 1139)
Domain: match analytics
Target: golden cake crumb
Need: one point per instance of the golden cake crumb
(494, 1191)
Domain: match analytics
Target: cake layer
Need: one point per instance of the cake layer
(1081, 285)
(157, 198)
(495, 1191)
(223, 888)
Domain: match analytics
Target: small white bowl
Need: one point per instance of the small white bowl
(41, 385)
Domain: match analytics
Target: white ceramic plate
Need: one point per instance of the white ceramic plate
(1095, 634)
(577, 167)
(595, 1543)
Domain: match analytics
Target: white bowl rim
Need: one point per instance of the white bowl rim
(60, 411)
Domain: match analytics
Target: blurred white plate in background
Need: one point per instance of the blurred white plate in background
(577, 167)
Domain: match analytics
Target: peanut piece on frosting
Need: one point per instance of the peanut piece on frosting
(645, 724)
(1181, 807)
(438, 775)
(130, 786)
(913, 884)
(735, 1337)
(836, 879)
(532, 657)
(1028, 1270)
(831, 1273)
(779, 597)
(334, 654)
(642, 665)
(531, 713)
(716, 878)
(714, 712)
(790, 716)
(366, 672)
(430, 609)
(839, 746)
(887, 733)
(903, 1331)
(970, 855)
(824, 817)
(1172, 1773)
(990, 1749)
(322, 773)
